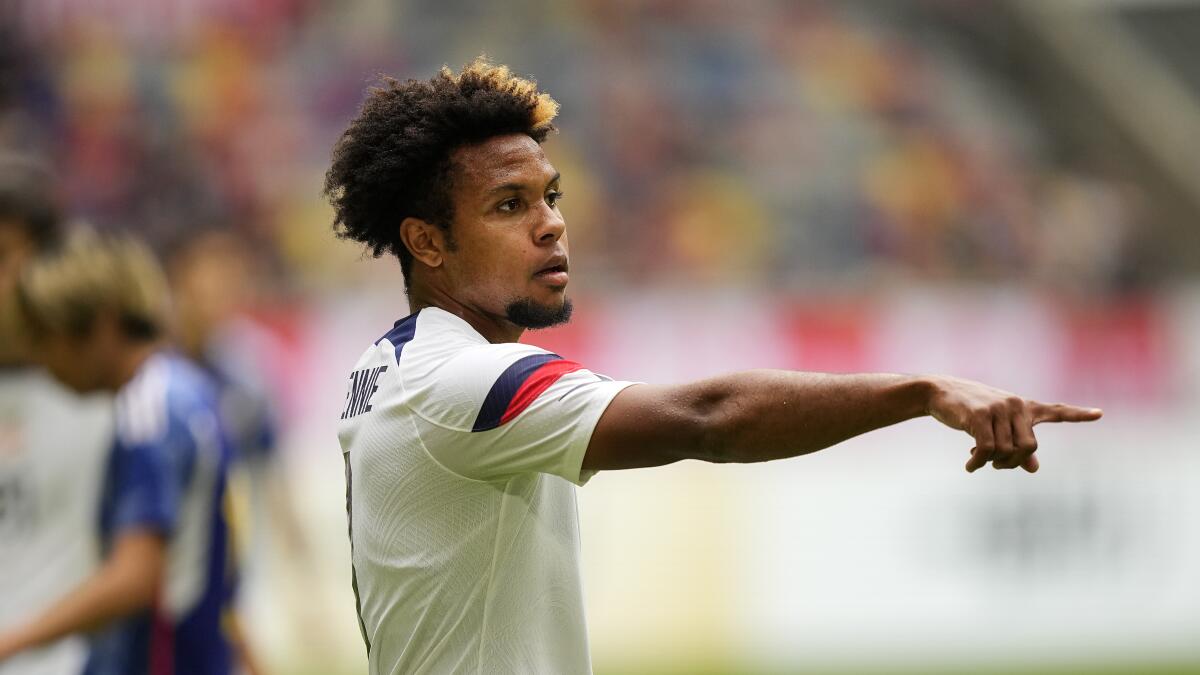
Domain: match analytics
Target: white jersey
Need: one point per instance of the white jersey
(461, 457)
(53, 448)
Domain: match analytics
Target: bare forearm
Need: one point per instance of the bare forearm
(125, 584)
(762, 415)
(85, 608)
(96, 602)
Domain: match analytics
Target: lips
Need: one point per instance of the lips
(554, 271)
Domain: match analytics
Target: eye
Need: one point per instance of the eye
(553, 197)
(509, 205)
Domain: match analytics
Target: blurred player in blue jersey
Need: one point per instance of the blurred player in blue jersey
(53, 443)
(96, 313)
(213, 282)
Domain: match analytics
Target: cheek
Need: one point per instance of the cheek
(493, 261)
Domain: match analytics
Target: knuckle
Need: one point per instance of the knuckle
(1015, 402)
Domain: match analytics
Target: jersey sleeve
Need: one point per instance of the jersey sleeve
(495, 411)
(147, 483)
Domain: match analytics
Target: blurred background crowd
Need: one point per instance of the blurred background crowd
(774, 144)
(889, 176)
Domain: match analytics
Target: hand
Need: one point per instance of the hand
(1001, 422)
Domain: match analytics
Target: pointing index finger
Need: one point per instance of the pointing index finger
(1061, 412)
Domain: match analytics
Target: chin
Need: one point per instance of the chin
(77, 387)
(70, 380)
(528, 313)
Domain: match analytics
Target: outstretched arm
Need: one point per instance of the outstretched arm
(126, 583)
(762, 415)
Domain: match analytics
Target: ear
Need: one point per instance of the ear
(426, 241)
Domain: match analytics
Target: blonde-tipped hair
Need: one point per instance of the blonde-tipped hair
(485, 75)
(63, 292)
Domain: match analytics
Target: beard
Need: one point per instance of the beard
(528, 314)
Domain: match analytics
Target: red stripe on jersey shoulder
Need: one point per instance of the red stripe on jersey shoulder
(537, 382)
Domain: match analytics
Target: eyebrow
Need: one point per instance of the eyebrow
(517, 187)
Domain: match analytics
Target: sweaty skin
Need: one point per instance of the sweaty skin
(508, 243)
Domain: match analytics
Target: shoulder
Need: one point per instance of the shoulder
(142, 405)
(440, 368)
(478, 387)
(168, 395)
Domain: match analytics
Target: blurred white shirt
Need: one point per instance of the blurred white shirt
(53, 449)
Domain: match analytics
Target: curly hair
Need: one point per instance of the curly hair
(395, 159)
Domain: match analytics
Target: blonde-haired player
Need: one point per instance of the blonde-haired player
(53, 443)
(96, 313)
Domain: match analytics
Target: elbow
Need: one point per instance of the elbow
(148, 579)
(144, 589)
(718, 423)
(133, 590)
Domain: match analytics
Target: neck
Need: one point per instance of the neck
(494, 328)
(130, 360)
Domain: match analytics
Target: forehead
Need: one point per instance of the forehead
(513, 158)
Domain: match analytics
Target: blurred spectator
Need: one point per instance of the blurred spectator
(804, 140)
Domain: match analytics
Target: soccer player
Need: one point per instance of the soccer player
(212, 281)
(96, 311)
(52, 442)
(462, 445)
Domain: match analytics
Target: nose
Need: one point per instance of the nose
(551, 226)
